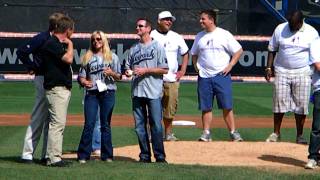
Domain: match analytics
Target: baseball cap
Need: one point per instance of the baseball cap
(166, 14)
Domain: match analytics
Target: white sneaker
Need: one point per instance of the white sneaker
(236, 137)
(273, 137)
(312, 164)
(109, 160)
(82, 161)
(171, 137)
(205, 137)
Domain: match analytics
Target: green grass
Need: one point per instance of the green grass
(19, 98)
(11, 140)
(250, 99)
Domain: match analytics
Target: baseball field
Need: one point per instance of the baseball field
(188, 158)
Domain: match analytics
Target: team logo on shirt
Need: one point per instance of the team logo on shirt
(209, 42)
(295, 39)
(139, 56)
(96, 67)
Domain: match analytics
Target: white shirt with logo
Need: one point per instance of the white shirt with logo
(214, 50)
(292, 48)
(174, 45)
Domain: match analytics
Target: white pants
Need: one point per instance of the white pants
(38, 123)
(58, 100)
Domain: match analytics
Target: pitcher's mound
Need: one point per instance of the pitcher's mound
(221, 153)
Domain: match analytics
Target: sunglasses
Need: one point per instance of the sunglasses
(96, 39)
(140, 26)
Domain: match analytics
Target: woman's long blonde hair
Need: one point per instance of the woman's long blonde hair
(106, 52)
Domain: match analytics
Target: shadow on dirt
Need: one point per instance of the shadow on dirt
(282, 160)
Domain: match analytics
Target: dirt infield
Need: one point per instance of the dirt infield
(127, 120)
(281, 156)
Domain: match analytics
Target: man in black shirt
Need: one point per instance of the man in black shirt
(57, 54)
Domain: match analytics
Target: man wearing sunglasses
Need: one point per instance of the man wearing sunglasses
(147, 62)
(174, 45)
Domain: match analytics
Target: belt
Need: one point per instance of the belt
(95, 92)
(50, 88)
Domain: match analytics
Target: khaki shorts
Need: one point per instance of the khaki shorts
(291, 93)
(170, 99)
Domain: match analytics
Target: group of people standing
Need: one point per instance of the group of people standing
(153, 64)
(52, 52)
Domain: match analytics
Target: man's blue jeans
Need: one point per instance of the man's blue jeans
(314, 146)
(95, 100)
(146, 111)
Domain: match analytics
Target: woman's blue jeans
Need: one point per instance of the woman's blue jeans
(146, 111)
(104, 101)
(96, 138)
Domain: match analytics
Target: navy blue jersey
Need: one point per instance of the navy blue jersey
(33, 47)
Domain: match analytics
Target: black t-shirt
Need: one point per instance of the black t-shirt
(56, 72)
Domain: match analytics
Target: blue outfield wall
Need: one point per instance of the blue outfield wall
(252, 62)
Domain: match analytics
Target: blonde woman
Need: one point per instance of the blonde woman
(100, 68)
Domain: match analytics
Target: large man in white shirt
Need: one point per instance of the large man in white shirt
(211, 52)
(291, 42)
(174, 45)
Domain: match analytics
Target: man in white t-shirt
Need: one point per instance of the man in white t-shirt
(174, 45)
(214, 53)
(291, 42)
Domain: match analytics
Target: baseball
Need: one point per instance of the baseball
(129, 72)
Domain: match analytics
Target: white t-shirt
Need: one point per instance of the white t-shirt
(214, 50)
(292, 48)
(315, 57)
(174, 45)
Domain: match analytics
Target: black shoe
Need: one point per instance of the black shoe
(43, 161)
(26, 161)
(60, 164)
(161, 161)
(145, 160)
